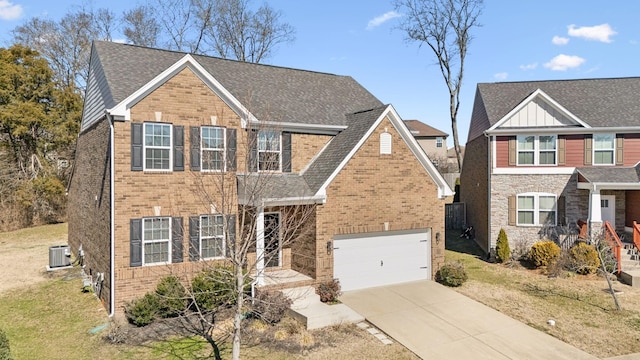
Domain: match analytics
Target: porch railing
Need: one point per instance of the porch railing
(614, 242)
(636, 235)
(584, 230)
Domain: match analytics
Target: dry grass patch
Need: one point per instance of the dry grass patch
(583, 309)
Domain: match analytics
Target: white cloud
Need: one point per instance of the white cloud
(559, 40)
(382, 19)
(596, 33)
(528, 66)
(563, 62)
(501, 76)
(9, 11)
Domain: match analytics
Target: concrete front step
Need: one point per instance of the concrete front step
(630, 277)
(314, 314)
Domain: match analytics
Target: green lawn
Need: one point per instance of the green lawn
(583, 309)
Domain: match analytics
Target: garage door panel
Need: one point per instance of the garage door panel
(368, 261)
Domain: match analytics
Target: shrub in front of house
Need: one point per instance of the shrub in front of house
(544, 253)
(213, 288)
(503, 252)
(584, 258)
(142, 311)
(329, 291)
(5, 350)
(452, 274)
(270, 306)
(171, 297)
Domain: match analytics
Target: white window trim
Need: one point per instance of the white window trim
(221, 237)
(145, 147)
(269, 151)
(223, 150)
(144, 242)
(439, 142)
(536, 150)
(593, 150)
(536, 208)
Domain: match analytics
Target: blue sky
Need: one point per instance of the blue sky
(519, 41)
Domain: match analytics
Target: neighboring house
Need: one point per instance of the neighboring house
(542, 155)
(158, 124)
(431, 140)
(452, 159)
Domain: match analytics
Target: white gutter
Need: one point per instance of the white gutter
(316, 199)
(561, 130)
(608, 186)
(112, 274)
(289, 126)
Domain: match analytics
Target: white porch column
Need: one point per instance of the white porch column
(595, 211)
(595, 207)
(260, 246)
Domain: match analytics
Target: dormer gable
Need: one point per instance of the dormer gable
(538, 110)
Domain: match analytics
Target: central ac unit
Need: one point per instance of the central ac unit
(59, 255)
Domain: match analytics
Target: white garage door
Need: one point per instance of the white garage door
(368, 260)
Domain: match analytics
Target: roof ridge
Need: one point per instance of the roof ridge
(196, 55)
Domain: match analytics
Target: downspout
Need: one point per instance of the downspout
(489, 168)
(112, 292)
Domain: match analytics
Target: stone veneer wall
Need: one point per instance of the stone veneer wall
(577, 204)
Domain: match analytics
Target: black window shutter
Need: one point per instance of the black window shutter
(231, 235)
(253, 154)
(135, 237)
(561, 207)
(194, 238)
(194, 139)
(231, 149)
(286, 151)
(178, 148)
(136, 146)
(176, 239)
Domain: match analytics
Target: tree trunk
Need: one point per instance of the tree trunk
(237, 319)
(454, 128)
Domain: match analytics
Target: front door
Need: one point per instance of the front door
(272, 248)
(608, 206)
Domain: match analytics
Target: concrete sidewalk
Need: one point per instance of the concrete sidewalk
(436, 322)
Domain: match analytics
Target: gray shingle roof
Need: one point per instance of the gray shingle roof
(260, 186)
(270, 93)
(340, 146)
(610, 102)
(609, 174)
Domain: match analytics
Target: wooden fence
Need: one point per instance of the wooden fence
(455, 215)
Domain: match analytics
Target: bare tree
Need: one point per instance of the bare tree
(445, 26)
(239, 33)
(239, 234)
(140, 26)
(66, 44)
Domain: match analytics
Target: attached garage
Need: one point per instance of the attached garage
(383, 258)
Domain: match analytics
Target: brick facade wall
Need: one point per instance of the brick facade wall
(474, 189)
(373, 189)
(89, 207)
(306, 147)
(183, 100)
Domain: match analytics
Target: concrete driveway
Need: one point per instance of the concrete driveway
(436, 322)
